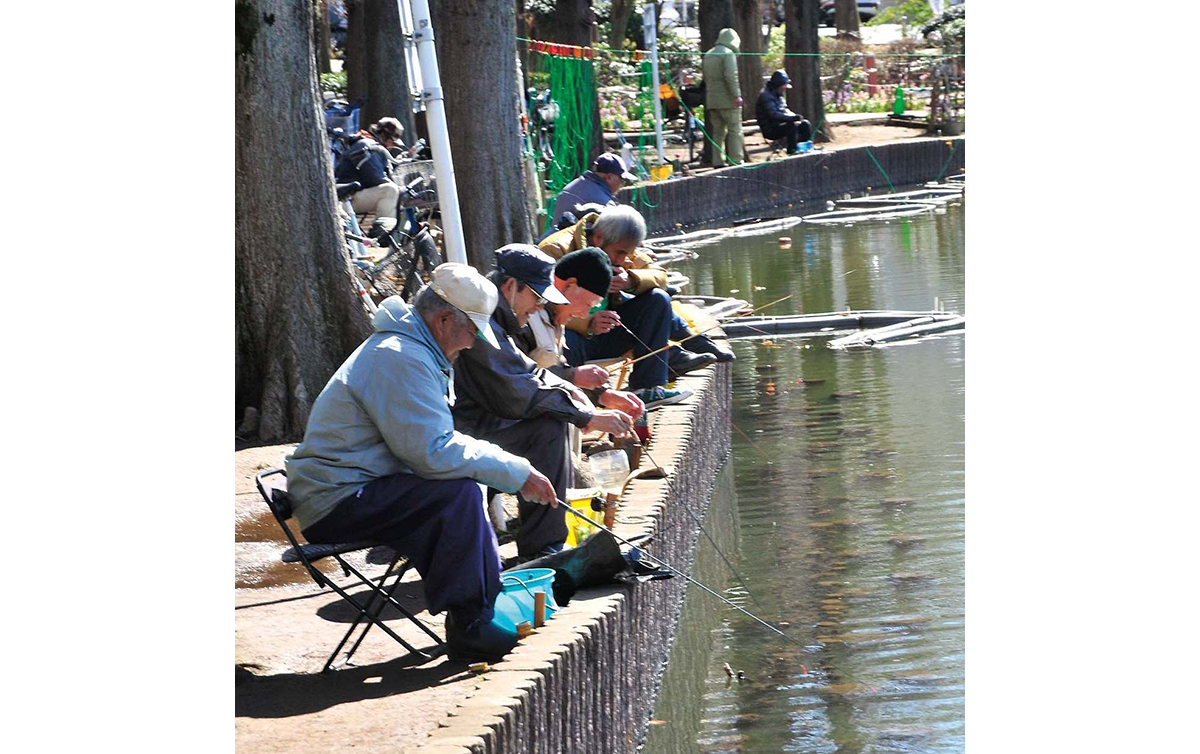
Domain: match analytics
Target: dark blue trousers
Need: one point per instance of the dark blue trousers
(650, 318)
(439, 525)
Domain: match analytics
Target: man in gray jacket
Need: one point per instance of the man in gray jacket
(381, 460)
(506, 398)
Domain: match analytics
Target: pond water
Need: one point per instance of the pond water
(842, 507)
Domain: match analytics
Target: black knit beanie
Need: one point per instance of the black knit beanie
(590, 268)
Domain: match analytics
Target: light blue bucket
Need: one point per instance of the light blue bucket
(514, 604)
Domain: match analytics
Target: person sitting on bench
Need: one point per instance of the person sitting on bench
(368, 161)
(596, 186)
(381, 461)
(775, 120)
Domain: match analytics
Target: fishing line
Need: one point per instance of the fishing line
(690, 580)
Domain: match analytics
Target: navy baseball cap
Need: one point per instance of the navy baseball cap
(610, 163)
(531, 266)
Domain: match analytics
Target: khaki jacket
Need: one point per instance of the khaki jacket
(720, 72)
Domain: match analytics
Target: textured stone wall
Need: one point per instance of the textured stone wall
(587, 680)
(737, 192)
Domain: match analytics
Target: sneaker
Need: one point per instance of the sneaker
(705, 344)
(484, 642)
(681, 361)
(654, 397)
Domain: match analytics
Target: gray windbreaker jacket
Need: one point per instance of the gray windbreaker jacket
(386, 411)
(496, 388)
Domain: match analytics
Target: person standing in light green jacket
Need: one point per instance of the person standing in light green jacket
(723, 99)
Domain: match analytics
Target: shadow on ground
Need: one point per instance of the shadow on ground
(294, 694)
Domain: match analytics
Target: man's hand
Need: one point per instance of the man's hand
(537, 489)
(613, 422)
(622, 401)
(621, 280)
(589, 377)
(603, 321)
(737, 101)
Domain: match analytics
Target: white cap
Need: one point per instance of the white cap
(465, 289)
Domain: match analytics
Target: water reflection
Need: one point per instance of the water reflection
(850, 507)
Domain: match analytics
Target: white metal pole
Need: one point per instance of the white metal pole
(439, 135)
(650, 27)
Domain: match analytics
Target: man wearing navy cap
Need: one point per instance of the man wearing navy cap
(503, 397)
(596, 186)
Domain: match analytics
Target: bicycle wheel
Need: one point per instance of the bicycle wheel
(427, 257)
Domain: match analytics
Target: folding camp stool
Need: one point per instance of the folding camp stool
(281, 507)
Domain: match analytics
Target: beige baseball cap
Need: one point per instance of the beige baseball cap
(465, 289)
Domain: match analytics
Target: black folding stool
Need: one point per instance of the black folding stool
(281, 507)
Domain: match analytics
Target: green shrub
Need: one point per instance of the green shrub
(911, 12)
(334, 82)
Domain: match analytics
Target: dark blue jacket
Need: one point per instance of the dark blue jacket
(366, 161)
(770, 107)
(588, 188)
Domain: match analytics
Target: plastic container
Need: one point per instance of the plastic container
(610, 469)
(804, 146)
(578, 529)
(514, 604)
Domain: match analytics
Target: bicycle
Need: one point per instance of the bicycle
(411, 250)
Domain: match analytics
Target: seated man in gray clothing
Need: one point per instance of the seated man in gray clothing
(382, 462)
(504, 397)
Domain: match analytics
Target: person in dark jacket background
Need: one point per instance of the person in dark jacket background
(503, 397)
(775, 120)
(596, 186)
(368, 161)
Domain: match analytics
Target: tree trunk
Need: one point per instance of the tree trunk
(297, 316)
(749, 21)
(322, 47)
(354, 57)
(845, 18)
(385, 71)
(477, 55)
(803, 17)
(574, 23)
(619, 19)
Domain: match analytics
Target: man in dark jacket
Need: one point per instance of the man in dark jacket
(596, 186)
(775, 120)
(368, 161)
(505, 398)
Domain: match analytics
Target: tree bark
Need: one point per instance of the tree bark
(385, 71)
(354, 58)
(619, 19)
(712, 16)
(845, 18)
(322, 47)
(477, 55)
(297, 316)
(749, 23)
(803, 17)
(574, 23)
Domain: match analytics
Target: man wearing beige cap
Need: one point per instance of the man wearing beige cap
(381, 460)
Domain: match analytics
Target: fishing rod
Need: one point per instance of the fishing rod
(671, 344)
(678, 572)
(700, 525)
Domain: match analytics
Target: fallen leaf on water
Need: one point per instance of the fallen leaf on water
(735, 290)
(658, 722)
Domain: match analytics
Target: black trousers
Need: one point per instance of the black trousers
(545, 443)
(795, 133)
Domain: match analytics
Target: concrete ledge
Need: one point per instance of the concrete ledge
(588, 679)
(736, 192)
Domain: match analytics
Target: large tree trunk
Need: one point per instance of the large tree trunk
(619, 19)
(322, 46)
(477, 55)
(354, 57)
(845, 18)
(297, 316)
(385, 72)
(574, 23)
(803, 17)
(749, 23)
(711, 17)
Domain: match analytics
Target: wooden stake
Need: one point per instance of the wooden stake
(539, 609)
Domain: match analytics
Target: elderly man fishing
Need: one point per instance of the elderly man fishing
(506, 398)
(381, 460)
(637, 314)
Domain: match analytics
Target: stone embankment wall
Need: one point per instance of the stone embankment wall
(587, 680)
(737, 192)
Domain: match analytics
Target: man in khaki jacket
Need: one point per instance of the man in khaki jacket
(723, 99)
(637, 300)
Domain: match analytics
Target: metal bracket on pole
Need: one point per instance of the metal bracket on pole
(423, 33)
(431, 93)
